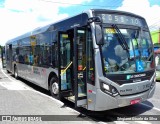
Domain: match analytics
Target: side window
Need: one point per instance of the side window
(20, 56)
(34, 57)
(14, 49)
(27, 50)
(54, 50)
(44, 49)
(7, 52)
(23, 51)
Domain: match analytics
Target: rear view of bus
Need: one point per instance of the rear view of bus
(124, 60)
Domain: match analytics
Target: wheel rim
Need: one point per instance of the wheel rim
(15, 73)
(55, 88)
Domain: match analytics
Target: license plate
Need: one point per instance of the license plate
(135, 101)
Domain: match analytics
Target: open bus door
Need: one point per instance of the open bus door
(72, 66)
(80, 67)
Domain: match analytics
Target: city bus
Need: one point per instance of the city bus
(99, 59)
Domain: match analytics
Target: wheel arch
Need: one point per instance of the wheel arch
(52, 74)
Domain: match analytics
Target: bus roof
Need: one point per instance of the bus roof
(45, 28)
(28, 34)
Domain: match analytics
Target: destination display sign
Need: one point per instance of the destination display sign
(122, 19)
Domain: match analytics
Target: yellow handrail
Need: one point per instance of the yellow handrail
(63, 71)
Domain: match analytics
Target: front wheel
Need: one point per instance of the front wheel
(54, 88)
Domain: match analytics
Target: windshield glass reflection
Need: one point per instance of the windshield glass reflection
(117, 59)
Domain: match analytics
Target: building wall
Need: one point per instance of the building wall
(155, 36)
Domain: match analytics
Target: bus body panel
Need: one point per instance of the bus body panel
(91, 96)
(111, 102)
(36, 75)
(133, 88)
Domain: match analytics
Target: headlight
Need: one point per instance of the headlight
(111, 90)
(106, 87)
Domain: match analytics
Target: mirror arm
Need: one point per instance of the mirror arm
(98, 29)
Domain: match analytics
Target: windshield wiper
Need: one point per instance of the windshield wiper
(122, 41)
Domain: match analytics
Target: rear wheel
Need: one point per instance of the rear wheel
(16, 72)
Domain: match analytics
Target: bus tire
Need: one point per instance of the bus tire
(15, 72)
(53, 87)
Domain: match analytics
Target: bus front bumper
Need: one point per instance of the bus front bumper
(106, 102)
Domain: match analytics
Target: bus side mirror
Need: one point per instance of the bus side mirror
(99, 36)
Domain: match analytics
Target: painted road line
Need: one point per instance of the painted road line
(143, 122)
(7, 75)
(101, 122)
(121, 122)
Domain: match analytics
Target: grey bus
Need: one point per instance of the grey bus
(99, 59)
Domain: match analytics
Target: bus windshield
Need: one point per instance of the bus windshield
(138, 56)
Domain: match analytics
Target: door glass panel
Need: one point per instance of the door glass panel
(81, 46)
(90, 60)
(65, 60)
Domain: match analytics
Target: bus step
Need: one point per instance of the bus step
(66, 93)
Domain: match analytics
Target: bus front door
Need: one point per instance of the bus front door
(72, 66)
(79, 64)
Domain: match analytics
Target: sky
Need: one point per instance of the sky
(20, 16)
